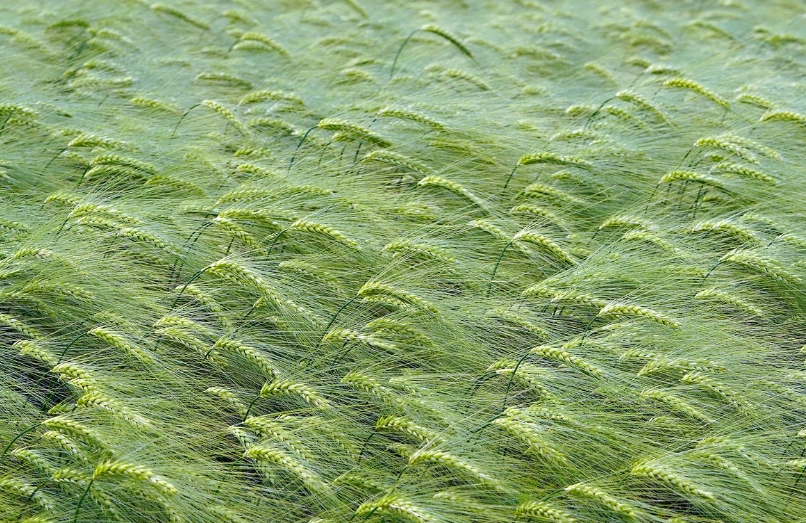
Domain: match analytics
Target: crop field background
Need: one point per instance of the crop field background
(402, 262)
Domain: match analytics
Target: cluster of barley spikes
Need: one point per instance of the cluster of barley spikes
(346, 261)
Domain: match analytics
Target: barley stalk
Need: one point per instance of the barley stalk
(287, 387)
(117, 341)
(685, 83)
(137, 472)
(355, 132)
(280, 458)
(588, 491)
(381, 290)
(395, 506)
(179, 15)
(270, 43)
(543, 510)
(567, 358)
(659, 473)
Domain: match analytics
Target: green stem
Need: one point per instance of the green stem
(81, 500)
(497, 263)
(591, 117)
(53, 159)
(587, 328)
(364, 447)
(18, 436)
(797, 480)
(191, 280)
(251, 404)
(37, 489)
(400, 50)
(511, 380)
(333, 319)
(80, 181)
(183, 117)
(479, 381)
(712, 269)
(3, 127)
(188, 245)
(510, 176)
(275, 240)
(294, 155)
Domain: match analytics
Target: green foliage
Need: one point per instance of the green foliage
(445, 262)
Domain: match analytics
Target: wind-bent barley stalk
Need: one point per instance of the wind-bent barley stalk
(156, 105)
(530, 435)
(543, 190)
(226, 113)
(620, 310)
(732, 168)
(122, 161)
(224, 79)
(546, 244)
(455, 188)
(690, 176)
(439, 31)
(270, 43)
(544, 511)
(419, 250)
(450, 461)
(251, 354)
(395, 505)
(458, 74)
(323, 230)
(685, 83)
(354, 131)
(659, 473)
(72, 428)
(712, 385)
(130, 470)
(783, 116)
(179, 15)
(401, 424)
(729, 299)
(403, 114)
(281, 459)
(642, 103)
(324, 343)
(549, 157)
(119, 342)
(383, 292)
(567, 358)
(269, 94)
(587, 491)
(99, 400)
(757, 262)
(300, 389)
(396, 159)
(728, 146)
(743, 234)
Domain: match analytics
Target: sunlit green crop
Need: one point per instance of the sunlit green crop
(348, 261)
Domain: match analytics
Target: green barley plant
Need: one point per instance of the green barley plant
(402, 262)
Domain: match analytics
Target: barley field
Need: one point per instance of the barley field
(354, 261)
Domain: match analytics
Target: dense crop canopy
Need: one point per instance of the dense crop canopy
(426, 262)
